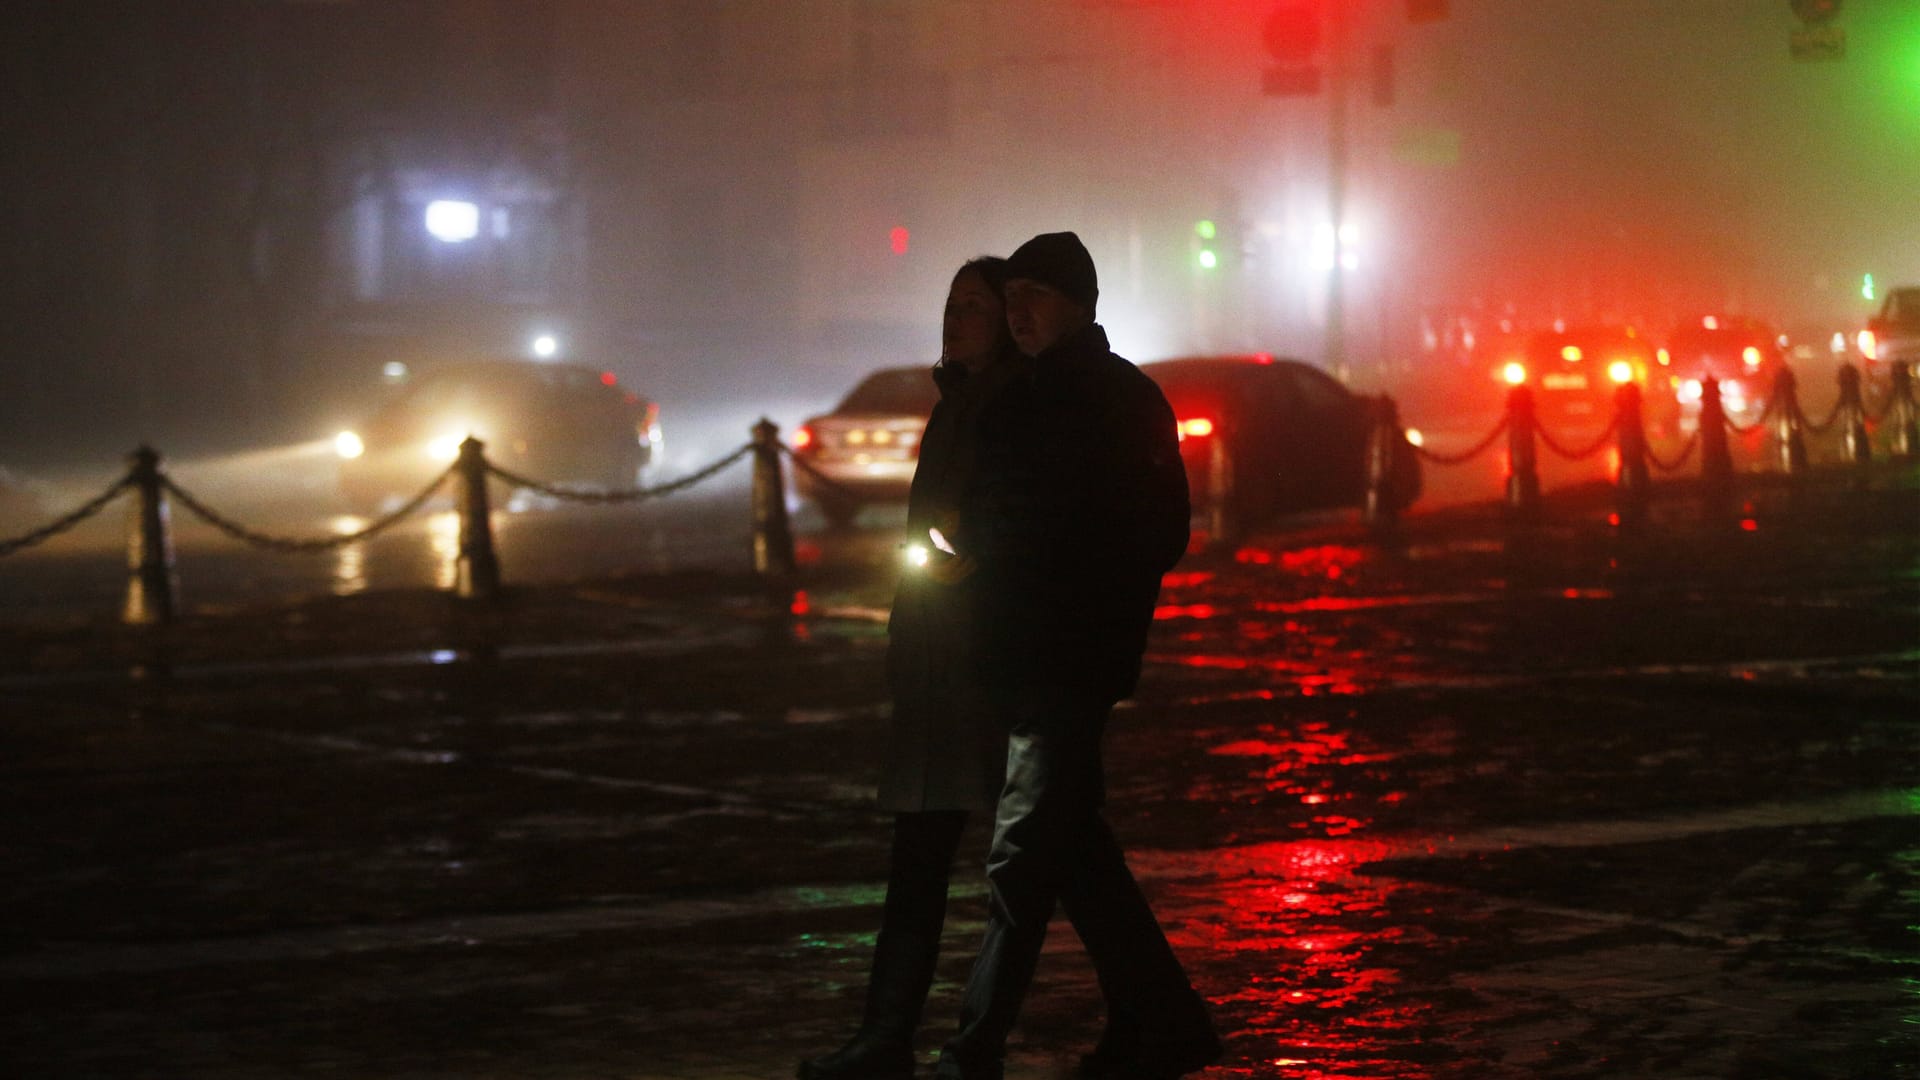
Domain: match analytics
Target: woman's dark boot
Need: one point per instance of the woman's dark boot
(883, 1048)
(904, 955)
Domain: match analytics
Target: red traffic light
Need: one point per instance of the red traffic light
(1293, 32)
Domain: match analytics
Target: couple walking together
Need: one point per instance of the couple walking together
(1051, 466)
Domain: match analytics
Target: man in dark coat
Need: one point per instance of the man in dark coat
(1078, 507)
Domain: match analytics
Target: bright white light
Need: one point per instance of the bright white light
(1349, 246)
(917, 555)
(453, 221)
(348, 445)
(1690, 391)
(445, 448)
(393, 371)
(1414, 437)
(546, 346)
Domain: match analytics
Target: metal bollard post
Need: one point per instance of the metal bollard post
(151, 582)
(1787, 433)
(477, 569)
(1382, 509)
(1523, 465)
(1853, 415)
(1904, 414)
(1222, 522)
(772, 535)
(1632, 485)
(1716, 457)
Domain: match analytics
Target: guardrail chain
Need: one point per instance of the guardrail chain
(257, 539)
(1599, 444)
(67, 521)
(609, 496)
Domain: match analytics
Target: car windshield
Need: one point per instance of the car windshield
(905, 391)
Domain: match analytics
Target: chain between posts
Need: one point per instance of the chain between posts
(573, 494)
(283, 543)
(1605, 439)
(67, 521)
(1461, 459)
(1686, 451)
(1823, 426)
(1758, 421)
(806, 466)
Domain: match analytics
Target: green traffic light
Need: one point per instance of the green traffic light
(1204, 229)
(1208, 260)
(1866, 287)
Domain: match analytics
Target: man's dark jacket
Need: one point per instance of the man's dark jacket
(1078, 507)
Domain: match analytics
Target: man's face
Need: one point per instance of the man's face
(1039, 315)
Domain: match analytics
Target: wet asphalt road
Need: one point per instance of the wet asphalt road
(1470, 803)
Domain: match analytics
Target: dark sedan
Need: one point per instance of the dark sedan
(550, 422)
(1263, 436)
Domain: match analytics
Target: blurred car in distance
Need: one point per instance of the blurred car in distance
(865, 450)
(1744, 354)
(1574, 370)
(1274, 436)
(550, 422)
(1893, 335)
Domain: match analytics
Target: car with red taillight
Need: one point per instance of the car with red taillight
(1744, 354)
(865, 450)
(1574, 371)
(1273, 436)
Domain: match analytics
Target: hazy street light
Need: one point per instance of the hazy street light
(453, 221)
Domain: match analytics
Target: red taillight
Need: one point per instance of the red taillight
(802, 437)
(1198, 428)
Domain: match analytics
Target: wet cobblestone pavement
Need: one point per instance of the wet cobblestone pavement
(1461, 805)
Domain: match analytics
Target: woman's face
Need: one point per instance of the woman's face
(973, 320)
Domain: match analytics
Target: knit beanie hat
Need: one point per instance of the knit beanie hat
(1058, 259)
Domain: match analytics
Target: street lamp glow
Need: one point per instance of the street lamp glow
(453, 221)
(546, 346)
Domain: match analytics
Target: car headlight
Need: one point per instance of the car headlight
(348, 445)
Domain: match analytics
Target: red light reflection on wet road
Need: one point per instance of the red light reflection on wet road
(1325, 997)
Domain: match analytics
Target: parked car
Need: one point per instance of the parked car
(1575, 370)
(1893, 335)
(1277, 436)
(1744, 354)
(867, 447)
(551, 422)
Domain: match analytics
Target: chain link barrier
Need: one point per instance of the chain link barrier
(1461, 459)
(1599, 444)
(1823, 426)
(1686, 451)
(631, 495)
(62, 524)
(285, 543)
(1758, 421)
(825, 481)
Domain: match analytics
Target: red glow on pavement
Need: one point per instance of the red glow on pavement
(1189, 611)
(800, 605)
(1186, 580)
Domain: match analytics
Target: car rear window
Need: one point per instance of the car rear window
(910, 392)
